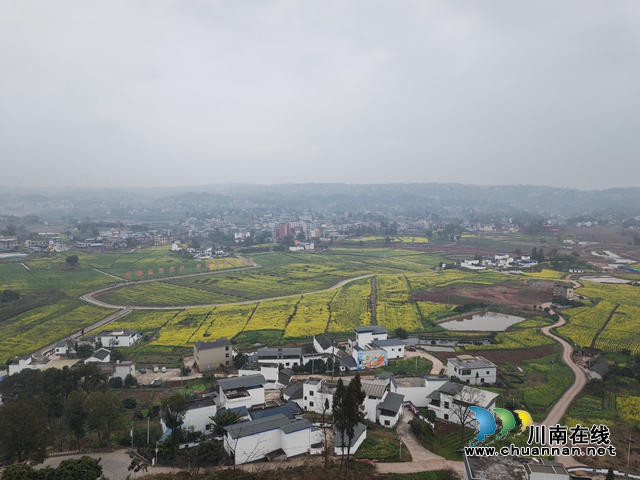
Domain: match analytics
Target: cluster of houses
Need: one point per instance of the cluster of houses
(64, 350)
(503, 261)
(273, 429)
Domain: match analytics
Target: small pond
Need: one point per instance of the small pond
(482, 322)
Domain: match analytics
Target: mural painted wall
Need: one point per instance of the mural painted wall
(372, 359)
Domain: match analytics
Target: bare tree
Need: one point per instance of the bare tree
(465, 398)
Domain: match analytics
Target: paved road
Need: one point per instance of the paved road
(422, 459)
(437, 364)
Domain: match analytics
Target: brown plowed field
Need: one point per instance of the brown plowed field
(516, 293)
(502, 357)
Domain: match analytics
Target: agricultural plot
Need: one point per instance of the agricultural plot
(273, 315)
(50, 274)
(180, 330)
(444, 278)
(549, 378)
(527, 338)
(312, 316)
(584, 323)
(145, 321)
(546, 274)
(623, 294)
(622, 332)
(154, 258)
(350, 306)
(393, 308)
(164, 294)
(431, 312)
(42, 326)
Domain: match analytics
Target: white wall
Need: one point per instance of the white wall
(356, 445)
(366, 338)
(394, 352)
(418, 395)
(382, 419)
(253, 447)
(198, 418)
(371, 408)
(256, 397)
(482, 378)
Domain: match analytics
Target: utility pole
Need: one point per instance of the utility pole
(400, 446)
(629, 450)
(147, 432)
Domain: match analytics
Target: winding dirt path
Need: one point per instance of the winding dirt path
(438, 366)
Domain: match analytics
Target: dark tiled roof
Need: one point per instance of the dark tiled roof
(294, 391)
(279, 352)
(241, 382)
(289, 410)
(101, 354)
(221, 342)
(392, 342)
(375, 329)
(451, 388)
(392, 402)
(324, 341)
(199, 403)
(349, 362)
(360, 428)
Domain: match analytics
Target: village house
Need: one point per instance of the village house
(197, 415)
(323, 344)
(389, 409)
(471, 369)
(393, 346)
(563, 291)
(287, 357)
(247, 391)
(118, 338)
(210, 355)
(450, 400)
(102, 355)
(274, 438)
(342, 446)
(416, 389)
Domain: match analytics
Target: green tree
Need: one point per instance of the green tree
(76, 415)
(173, 410)
(207, 453)
(239, 360)
(105, 414)
(84, 468)
(130, 381)
(72, 260)
(401, 333)
(23, 431)
(352, 411)
(224, 418)
(84, 351)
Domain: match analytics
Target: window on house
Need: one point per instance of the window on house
(466, 372)
(482, 380)
(311, 404)
(446, 416)
(386, 422)
(226, 355)
(446, 404)
(305, 398)
(227, 362)
(487, 372)
(226, 348)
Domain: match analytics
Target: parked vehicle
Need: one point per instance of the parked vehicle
(143, 370)
(163, 369)
(155, 369)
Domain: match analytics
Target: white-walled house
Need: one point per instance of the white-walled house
(323, 344)
(475, 370)
(23, 363)
(389, 409)
(366, 335)
(444, 401)
(102, 355)
(393, 346)
(271, 437)
(269, 371)
(287, 357)
(416, 389)
(247, 391)
(341, 448)
(197, 415)
(118, 338)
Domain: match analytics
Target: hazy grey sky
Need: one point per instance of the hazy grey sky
(184, 93)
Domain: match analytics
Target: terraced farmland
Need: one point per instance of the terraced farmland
(164, 294)
(622, 332)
